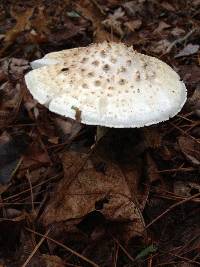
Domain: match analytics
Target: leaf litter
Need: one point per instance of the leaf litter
(133, 198)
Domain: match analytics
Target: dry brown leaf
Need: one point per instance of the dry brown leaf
(133, 24)
(22, 24)
(190, 149)
(161, 26)
(89, 11)
(85, 190)
(139, 192)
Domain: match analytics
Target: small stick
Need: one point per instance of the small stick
(36, 248)
(180, 40)
(65, 247)
(123, 249)
(171, 208)
(31, 191)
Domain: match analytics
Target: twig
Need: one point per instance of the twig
(36, 248)
(33, 187)
(185, 259)
(168, 263)
(184, 133)
(124, 250)
(31, 191)
(176, 198)
(150, 260)
(98, 6)
(65, 247)
(116, 255)
(171, 208)
(19, 203)
(189, 169)
(180, 40)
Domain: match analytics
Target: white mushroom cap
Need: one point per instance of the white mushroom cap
(107, 84)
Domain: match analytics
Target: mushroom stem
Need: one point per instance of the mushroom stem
(101, 131)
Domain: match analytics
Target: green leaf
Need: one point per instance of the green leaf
(146, 251)
(73, 14)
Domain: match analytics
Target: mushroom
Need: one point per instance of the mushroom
(107, 84)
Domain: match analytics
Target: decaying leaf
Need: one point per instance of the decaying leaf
(84, 190)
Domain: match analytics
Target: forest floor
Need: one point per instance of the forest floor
(133, 198)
